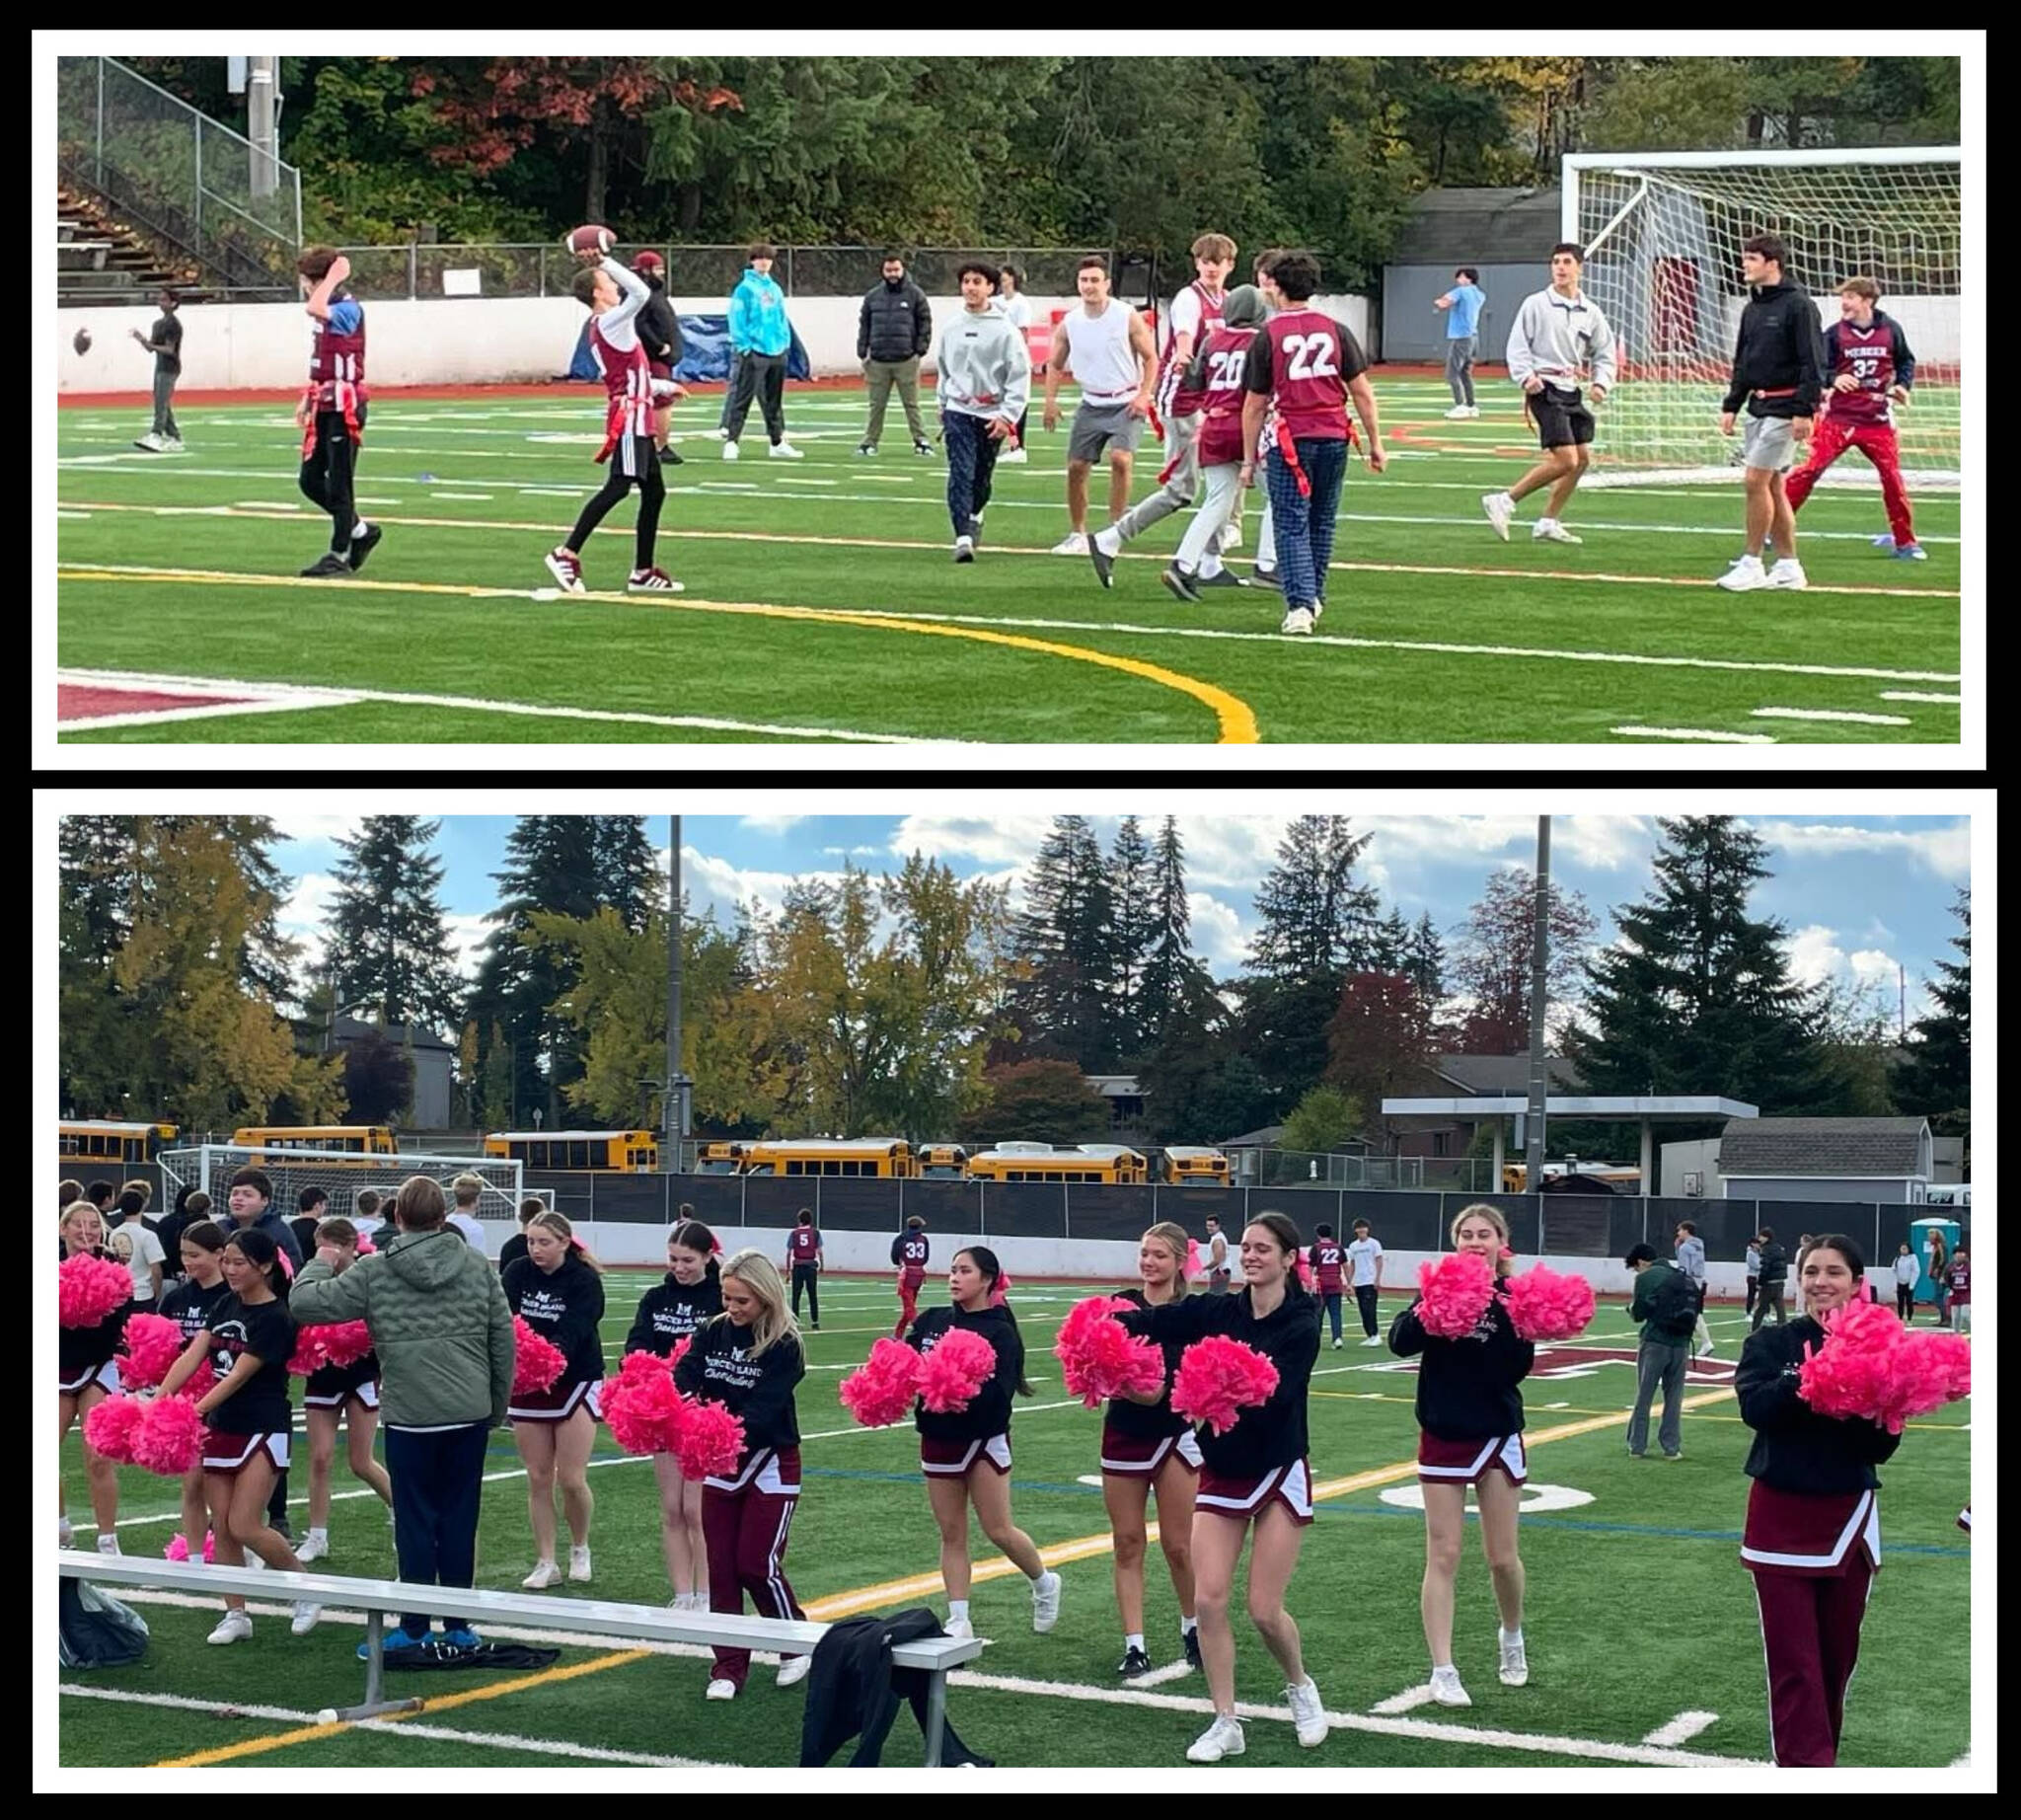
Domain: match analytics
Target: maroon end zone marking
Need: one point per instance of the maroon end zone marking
(81, 701)
(1582, 1361)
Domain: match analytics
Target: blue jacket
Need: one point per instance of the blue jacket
(758, 321)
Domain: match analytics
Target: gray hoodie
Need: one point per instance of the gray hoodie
(985, 370)
(439, 1325)
(1554, 336)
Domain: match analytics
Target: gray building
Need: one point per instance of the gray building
(432, 1059)
(1872, 1160)
(1506, 235)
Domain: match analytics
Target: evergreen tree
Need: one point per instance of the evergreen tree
(1424, 961)
(1133, 891)
(1389, 941)
(389, 948)
(1064, 939)
(630, 877)
(1174, 976)
(1934, 1077)
(1701, 1001)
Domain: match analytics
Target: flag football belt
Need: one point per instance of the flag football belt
(343, 396)
(1289, 449)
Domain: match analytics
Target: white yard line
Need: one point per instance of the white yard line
(1407, 1700)
(1684, 1726)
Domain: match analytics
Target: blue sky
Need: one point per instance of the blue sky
(1859, 895)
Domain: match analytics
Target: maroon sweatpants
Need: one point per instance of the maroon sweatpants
(909, 1282)
(745, 1533)
(1809, 1626)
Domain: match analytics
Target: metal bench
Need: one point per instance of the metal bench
(593, 1619)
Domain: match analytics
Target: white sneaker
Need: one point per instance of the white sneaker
(794, 1670)
(959, 1627)
(1045, 1601)
(1014, 458)
(692, 1602)
(1473, 411)
(1445, 1688)
(785, 451)
(1515, 1666)
(718, 434)
(1298, 620)
(172, 445)
(1500, 510)
(109, 1544)
(307, 1612)
(1788, 573)
(151, 442)
(1746, 574)
(1224, 1738)
(1075, 543)
(232, 1627)
(729, 450)
(1459, 410)
(1307, 1713)
(1231, 537)
(1551, 531)
(1336, 1346)
(719, 1689)
(545, 1575)
(1373, 1339)
(315, 1548)
(578, 1564)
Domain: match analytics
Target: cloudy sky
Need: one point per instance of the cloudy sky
(1859, 895)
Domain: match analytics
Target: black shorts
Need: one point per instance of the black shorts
(1561, 417)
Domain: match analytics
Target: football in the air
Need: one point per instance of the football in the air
(81, 340)
(590, 240)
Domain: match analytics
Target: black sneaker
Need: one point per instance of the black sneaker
(362, 547)
(1134, 1664)
(1222, 577)
(1261, 576)
(922, 447)
(672, 457)
(1193, 1648)
(1104, 563)
(866, 448)
(1176, 578)
(327, 564)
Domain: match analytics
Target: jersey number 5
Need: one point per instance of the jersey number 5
(1312, 356)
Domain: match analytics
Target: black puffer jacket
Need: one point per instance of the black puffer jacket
(896, 322)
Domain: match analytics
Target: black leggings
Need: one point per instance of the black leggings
(329, 474)
(807, 1277)
(634, 459)
(1904, 1302)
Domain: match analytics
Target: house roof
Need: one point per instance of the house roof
(1480, 227)
(1505, 1074)
(1821, 1146)
(1270, 1137)
(350, 1029)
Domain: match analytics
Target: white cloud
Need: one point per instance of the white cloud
(1942, 847)
(1872, 964)
(467, 937)
(1011, 841)
(1815, 955)
(1217, 930)
(770, 824)
(301, 917)
(310, 826)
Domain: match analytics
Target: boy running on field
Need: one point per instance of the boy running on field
(1215, 379)
(615, 295)
(985, 382)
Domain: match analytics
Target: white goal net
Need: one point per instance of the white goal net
(1663, 234)
(342, 1175)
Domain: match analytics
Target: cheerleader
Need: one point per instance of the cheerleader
(349, 1392)
(1257, 1472)
(249, 1338)
(190, 1305)
(909, 1251)
(1145, 1447)
(1813, 1535)
(558, 1290)
(965, 1453)
(89, 1374)
(749, 1359)
(669, 1313)
(1469, 1416)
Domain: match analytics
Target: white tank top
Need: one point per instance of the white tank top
(1099, 355)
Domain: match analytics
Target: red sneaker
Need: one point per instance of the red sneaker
(567, 568)
(652, 581)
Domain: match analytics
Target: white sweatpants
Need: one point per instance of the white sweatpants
(1203, 535)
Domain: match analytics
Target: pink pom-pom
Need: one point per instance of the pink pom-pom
(1853, 1373)
(89, 1289)
(1931, 1370)
(1218, 1379)
(955, 1369)
(536, 1361)
(1545, 1306)
(177, 1548)
(365, 1246)
(210, 1544)
(308, 1356)
(202, 1380)
(881, 1391)
(1196, 1265)
(711, 1440)
(1307, 1278)
(110, 1427)
(153, 1343)
(1453, 1293)
(170, 1437)
(1100, 1359)
(346, 1342)
(679, 1351)
(640, 1406)
(1001, 1289)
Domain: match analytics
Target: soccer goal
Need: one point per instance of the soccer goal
(1663, 233)
(342, 1175)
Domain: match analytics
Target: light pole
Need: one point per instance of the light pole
(676, 1088)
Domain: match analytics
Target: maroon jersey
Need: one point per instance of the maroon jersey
(1869, 356)
(804, 1243)
(1170, 373)
(628, 383)
(1326, 1260)
(336, 359)
(1224, 366)
(912, 1251)
(1305, 360)
(1961, 1280)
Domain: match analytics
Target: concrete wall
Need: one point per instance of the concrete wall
(1863, 1189)
(443, 341)
(1700, 1154)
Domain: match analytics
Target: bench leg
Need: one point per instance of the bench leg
(937, 1717)
(375, 1670)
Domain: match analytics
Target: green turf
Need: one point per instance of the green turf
(1637, 1606)
(1433, 630)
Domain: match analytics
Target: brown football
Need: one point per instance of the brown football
(590, 238)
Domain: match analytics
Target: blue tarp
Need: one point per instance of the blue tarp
(705, 352)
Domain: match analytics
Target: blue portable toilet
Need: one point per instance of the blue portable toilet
(1921, 1233)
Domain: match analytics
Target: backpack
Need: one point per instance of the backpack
(94, 1629)
(1674, 1303)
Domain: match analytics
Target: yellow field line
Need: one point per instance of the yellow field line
(1235, 719)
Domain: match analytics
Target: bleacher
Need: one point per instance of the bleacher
(102, 261)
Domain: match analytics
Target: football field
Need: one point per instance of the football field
(1641, 1627)
(821, 604)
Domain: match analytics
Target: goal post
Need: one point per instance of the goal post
(1663, 233)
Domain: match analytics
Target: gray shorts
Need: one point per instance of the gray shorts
(1768, 442)
(1103, 427)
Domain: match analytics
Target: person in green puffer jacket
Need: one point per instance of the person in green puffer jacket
(443, 1333)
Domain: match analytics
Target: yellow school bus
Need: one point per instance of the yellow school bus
(720, 1158)
(637, 1152)
(111, 1142)
(1112, 1162)
(830, 1156)
(1184, 1164)
(943, 1162)
(360, 1140)
(1612, 1181)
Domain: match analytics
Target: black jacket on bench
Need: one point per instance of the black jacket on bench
(854, 1688)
